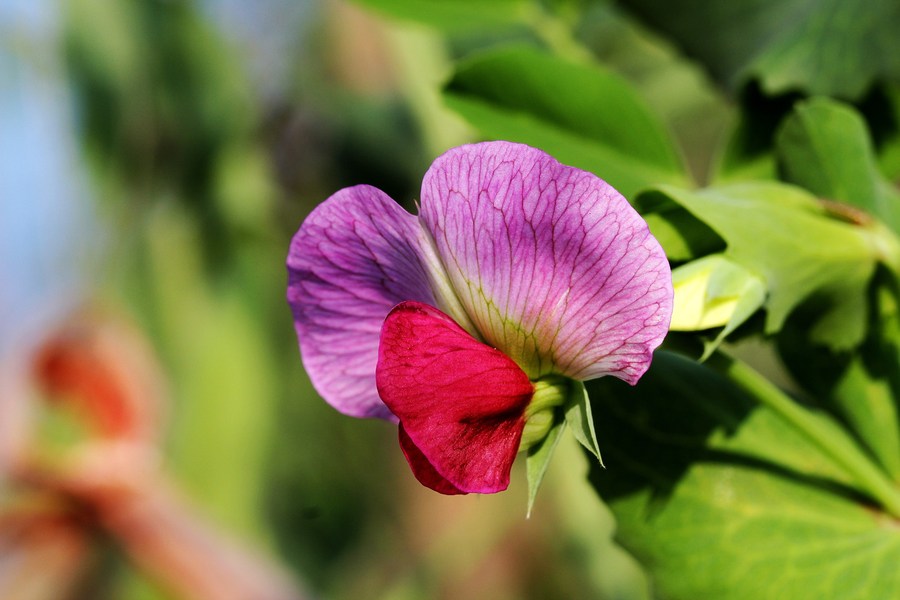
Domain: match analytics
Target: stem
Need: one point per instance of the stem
(556, 34)
(868, 477)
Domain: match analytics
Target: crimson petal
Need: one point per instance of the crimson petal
(423, 470)
(461, 404)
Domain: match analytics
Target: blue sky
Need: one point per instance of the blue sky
(44, 212)
(48, 232)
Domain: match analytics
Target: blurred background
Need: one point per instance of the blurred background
(158, 436)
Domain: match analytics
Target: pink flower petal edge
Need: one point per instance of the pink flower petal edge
(552, 264)
(356, 256)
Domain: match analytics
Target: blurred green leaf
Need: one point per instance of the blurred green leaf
(721, 498)
(160, 103)
(137, 585)
(224, 374)
(584, 116)
(787, 238)
(825, 147)
(829, 47)
(453, 15)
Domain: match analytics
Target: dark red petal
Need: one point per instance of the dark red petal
(422, 469)
(461, 403)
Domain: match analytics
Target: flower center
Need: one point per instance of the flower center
(550, 392)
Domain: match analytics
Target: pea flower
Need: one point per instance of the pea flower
(466, 323)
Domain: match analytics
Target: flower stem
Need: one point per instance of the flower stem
(840, 449)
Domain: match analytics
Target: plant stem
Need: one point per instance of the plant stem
(839, 448)
(555, 33)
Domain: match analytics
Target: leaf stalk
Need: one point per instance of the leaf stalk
(870, 479)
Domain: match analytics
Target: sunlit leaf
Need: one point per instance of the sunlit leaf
(791, 241)
(720, 498)
(584, 116)
(824, 146)
(714, 292)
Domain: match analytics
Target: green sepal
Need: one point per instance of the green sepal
(580, 419)
(538, 458)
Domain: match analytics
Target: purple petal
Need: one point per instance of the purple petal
(552, 265)
(355, 256)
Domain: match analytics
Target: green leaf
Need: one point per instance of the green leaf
(584, 116)
(683, 236)
(720, 498)
(714, 292)
(860, 388)
(538, 459)
(825, 147)
(580, 420)
(788, 239)
(453, 15)
(829, 47)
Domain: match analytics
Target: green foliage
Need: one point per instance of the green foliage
(825, 147)
(584, 116)
(581, 421)
(166, 119)
(861, 387)
(574, 415)
(160, 104)
(712, 292)
(538, 459)
(722, 484)
(830, 47)
(748, 153)
(788, 239)
(885, 127)
(223, 366)
(453, 16)
(722, 498)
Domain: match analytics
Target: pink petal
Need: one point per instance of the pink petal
(355, 256)
(552, 265)
(461, 404)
